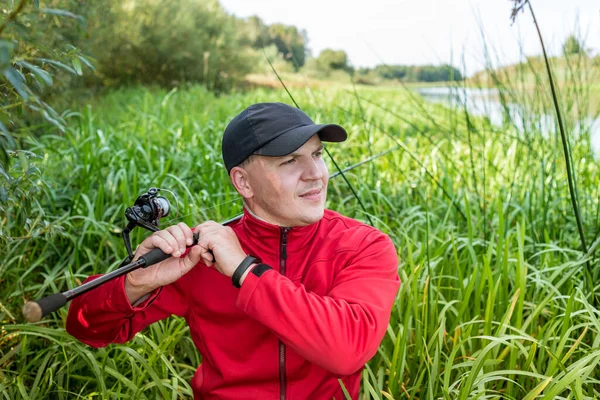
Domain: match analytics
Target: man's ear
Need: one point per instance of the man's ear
(239, 179)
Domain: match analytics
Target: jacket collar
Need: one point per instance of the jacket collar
(266, 237)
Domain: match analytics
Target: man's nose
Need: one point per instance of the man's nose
(312, 171)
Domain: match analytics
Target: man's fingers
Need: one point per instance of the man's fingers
(205, 242)
(207, 257)
(166, 242)
(188, 233)
(178, 233)
(192, 258)
(207, 228)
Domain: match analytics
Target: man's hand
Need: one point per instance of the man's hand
(172, 240)
(223, 243)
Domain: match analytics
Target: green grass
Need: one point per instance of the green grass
(492, 303)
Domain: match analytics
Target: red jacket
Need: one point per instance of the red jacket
(318, 315)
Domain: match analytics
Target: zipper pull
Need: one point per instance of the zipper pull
(284, 235)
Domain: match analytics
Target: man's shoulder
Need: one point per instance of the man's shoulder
(346, 235)
(333, 217)
(338, 223)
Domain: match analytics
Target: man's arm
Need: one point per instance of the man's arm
(117, 310)
(342, 330)
(105, 315)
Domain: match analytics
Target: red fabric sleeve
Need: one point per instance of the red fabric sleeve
(342, 330)
(104, 315)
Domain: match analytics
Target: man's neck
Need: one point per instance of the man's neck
(254, 215)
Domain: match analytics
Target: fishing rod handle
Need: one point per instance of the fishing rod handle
(34, 311)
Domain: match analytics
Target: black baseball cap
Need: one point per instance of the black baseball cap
(272, 129)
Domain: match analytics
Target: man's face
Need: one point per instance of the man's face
(290, 190)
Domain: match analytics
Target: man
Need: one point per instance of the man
(280, 304)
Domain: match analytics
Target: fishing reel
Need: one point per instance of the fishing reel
(146, 212)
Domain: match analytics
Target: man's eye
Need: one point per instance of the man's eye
(319, 154)
(290, 161)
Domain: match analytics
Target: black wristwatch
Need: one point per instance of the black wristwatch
(244, 265)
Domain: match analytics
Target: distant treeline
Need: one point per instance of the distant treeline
(413, 73)
(168, 43)
(149, 42)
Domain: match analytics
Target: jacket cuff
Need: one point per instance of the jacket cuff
(250, 284)
(121, 303)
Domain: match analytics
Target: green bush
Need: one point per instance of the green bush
(166, 43)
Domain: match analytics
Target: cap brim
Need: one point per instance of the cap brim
(293, 139)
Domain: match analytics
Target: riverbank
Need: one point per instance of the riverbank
(491, 104)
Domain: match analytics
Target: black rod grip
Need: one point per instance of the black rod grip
(34, 311)
(154, 256)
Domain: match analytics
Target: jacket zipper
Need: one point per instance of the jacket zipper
(282, 258)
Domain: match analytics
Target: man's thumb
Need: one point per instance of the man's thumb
(191, 257)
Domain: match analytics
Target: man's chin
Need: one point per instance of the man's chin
(313, 217)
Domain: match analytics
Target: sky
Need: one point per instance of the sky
(430, 31)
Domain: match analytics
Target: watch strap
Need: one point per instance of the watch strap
(244, 265)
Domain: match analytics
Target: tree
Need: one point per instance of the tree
(252, 32)
(167, 43)
(290, 42)
(333, 59)
(392, 71)
(572, 46)
(419, 73)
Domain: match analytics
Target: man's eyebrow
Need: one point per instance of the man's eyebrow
(295, 154)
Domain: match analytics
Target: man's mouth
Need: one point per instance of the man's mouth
(311, 193)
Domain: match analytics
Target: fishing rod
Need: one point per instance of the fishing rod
(146, 213)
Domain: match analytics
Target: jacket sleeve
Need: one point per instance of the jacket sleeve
(104, 315)
(342, 330)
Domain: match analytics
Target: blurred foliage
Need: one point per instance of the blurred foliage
(45, 47)
(36, 54)
(167, 43)
(573, 46)
(152, 42)
(330, 64)
(171, 42)
(290, 42)
(37, 57)
(411, 73)
(334, 59)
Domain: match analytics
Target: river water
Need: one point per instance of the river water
(485, 102)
